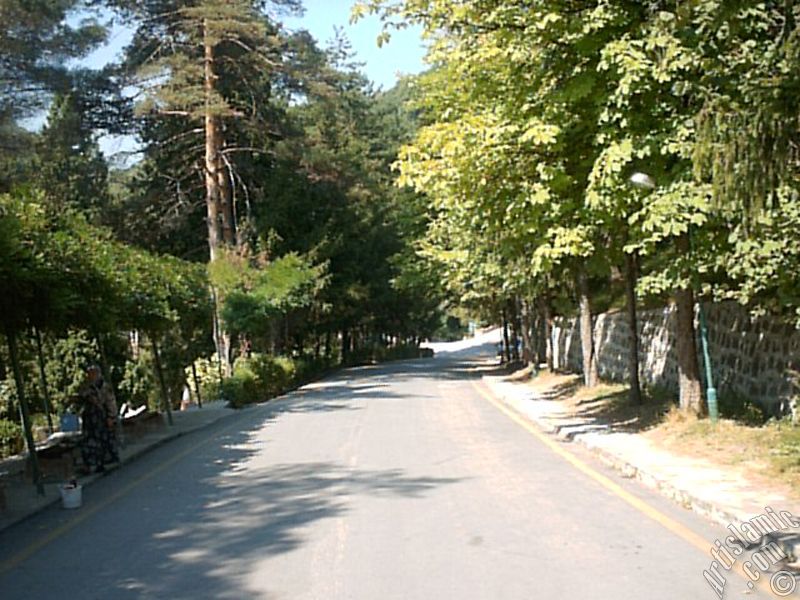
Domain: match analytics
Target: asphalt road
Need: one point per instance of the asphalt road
(400, 481)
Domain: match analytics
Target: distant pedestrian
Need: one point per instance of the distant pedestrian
(99, 417)
(186, 398)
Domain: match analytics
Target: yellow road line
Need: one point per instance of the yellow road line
(671, 524)
(58, 532)
(607, 483)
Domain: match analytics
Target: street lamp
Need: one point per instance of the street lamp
(645, 182)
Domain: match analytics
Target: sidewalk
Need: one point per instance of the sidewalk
(23, 501)
(724, 495)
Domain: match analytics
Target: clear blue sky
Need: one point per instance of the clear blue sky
(402, 55)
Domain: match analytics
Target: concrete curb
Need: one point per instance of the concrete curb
(628, 470)
(87, 480)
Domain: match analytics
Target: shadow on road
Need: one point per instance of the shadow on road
(199, 528)
(240, 513)
(228, 512)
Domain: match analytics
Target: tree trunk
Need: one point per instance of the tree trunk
(212, 144)
(133, 344)
(13, 353)
(548, 335)
(590, 378)
(104, 365)
(222, 340)
(515, 328)
(197, 386)
(226, 208)
(345, 345)
(160, 376)
(527, 342)
(691, 395)
(631, 274)
(547, 321)
(218, 210)
(43, 379)
(537, 333)
(506, 345)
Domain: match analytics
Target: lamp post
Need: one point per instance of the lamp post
(644, 181)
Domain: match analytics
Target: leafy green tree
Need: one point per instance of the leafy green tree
(70, 169)
(331, 197)
(259, 293)
(59, 273)
(206, 68)
(509, 148)
(746, 147)
(540, 113)
(36, 41)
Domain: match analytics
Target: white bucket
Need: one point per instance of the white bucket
(71, 496)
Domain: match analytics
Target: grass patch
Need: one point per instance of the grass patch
(771, 450)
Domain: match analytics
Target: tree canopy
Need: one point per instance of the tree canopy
(260, 211)
(538, 115)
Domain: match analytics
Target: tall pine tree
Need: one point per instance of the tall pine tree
(202, 63)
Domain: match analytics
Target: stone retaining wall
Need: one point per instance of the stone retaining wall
(755, 359)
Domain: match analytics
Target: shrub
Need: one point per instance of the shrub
(137, 385)
(12, 440)
(242, 387)
(406, 352)
(208, 376)
(262, 376)
(285, 375)
(374, 354)
(275, 375)
(742, 409)
(308, 368)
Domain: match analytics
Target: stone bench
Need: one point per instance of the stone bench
(58, 461)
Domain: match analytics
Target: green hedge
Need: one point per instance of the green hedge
(377, 354)
(262, 376)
